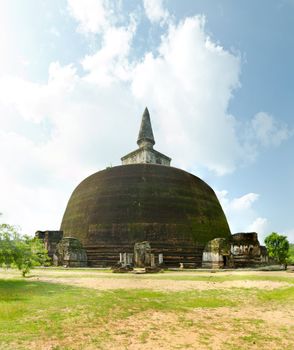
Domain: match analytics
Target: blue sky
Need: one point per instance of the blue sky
(217, 77)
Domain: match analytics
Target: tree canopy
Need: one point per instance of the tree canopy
(277, 247)
(22, 252)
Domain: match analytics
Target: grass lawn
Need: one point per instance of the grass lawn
(37, 314)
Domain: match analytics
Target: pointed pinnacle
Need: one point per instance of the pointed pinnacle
(145, 133)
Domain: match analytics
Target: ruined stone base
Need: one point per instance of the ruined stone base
(70, 253)
(50, 239)
(240, 251)
(122, 269)
(154, 269)
(217, 255)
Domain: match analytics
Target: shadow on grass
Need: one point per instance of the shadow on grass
(25, 288)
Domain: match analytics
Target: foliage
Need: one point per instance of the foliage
(22, 252)
(291, 254)
(277, 247)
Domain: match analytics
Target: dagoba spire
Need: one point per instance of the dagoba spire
(145, 153)
(145, 137)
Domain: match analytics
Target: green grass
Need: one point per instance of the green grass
(31, 310)
(281, 296)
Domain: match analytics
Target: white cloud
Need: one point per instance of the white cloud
(259, 225)
(155, 11)
(93, 16)
(241, 214)
(87, 128)
(268, 131)
(32, 208)
(239, 204)
(243, 217)
(110, 62)
(188, 86)
(244, 202)
(54, 32)
(33, 101)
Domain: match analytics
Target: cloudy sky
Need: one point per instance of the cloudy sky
(217, 77)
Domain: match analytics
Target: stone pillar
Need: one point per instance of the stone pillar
(130, 258)
(152, 260)
(160, 259)
(124, 262)
(142, 252)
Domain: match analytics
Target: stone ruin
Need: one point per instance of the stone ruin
(246, 250)
(241, 250)
(142, 254)
(70, 253)
(63, 251)
(50, 240)
(217, 254)
(141, 258)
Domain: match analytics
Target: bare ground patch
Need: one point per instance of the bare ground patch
(201, 329)
(205, 329)
(162, 285)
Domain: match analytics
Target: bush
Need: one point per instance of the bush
(22, 252)
(278, 248)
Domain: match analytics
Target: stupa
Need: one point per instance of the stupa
(144, 199)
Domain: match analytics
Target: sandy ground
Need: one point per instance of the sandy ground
(161, 285)
(109, 281)
(202, 329)
(224, 328)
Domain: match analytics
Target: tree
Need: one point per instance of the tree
(22, 252)
(277, 247)
(291, 254)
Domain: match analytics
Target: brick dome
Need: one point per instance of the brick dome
(175, 211)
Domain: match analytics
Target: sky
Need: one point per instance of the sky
(216, 76)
